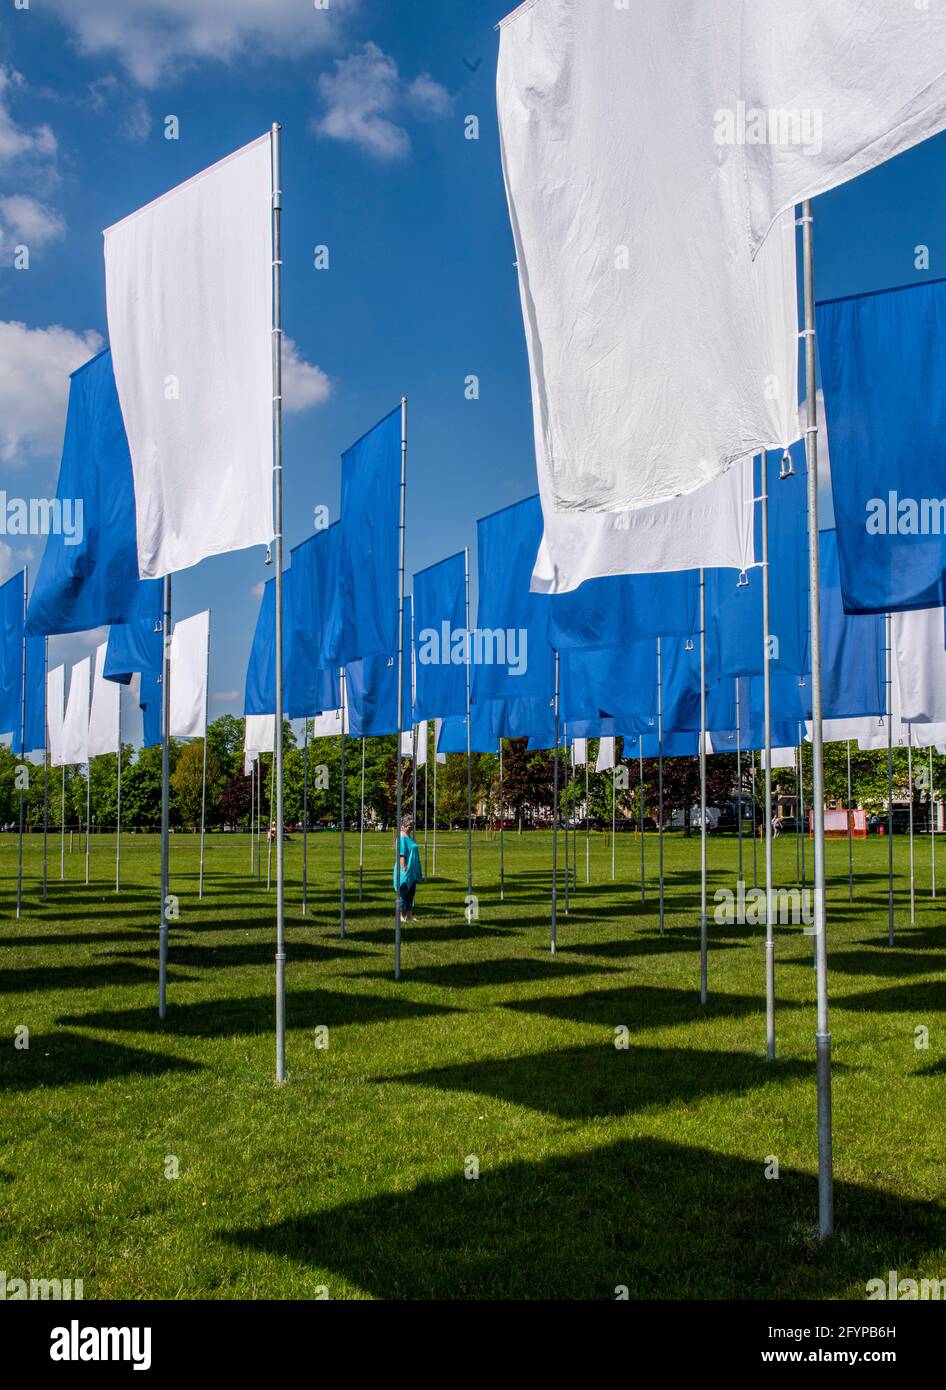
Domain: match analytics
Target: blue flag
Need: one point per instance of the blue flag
(137, 644)
(35, 700)
(371, 689)
(364, 616)
(883, 370)
(312, 684)
(439, 639)
(511, 656)
(11, 653)
(625, 608)
(95, 580)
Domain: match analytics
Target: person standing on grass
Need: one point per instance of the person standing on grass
(407, 870)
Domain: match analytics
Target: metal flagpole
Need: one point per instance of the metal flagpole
(118, 800)
(305, 816)
(850, 836)
(755, 838)
(823, 1036)
(88, 793)
(62, 826)
(165, 797)
(277, 527)
(272, 824)
(799, 809)
(469, 772)
(739, 778)
(88, 817)
(660, 782)
(435, 801)
(567, 778)
(704, 926)
(252, 817)
(259, 817)
(767, 739)
(426, 761)
(804, 816)
(587, 827)
(640, 759)
(613, 812)
(203, 788)
(46, 770)
(361, 827)
(502, 826)
(19, 870)
(555, 822)
(912, 860)
(889, 783)
(400, 681)
(932, 830)
(341, 881)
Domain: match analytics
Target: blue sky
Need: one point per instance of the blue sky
(374, 97)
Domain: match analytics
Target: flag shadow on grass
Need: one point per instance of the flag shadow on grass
(411, 931)
(199, 956)
(926, 995)
(663, 1220)
(474, 973)
(602, 1081)
(74, 1059)
(643, 1006)
(57, 977)
(224, 1018)
(880, 962)
(642, 946)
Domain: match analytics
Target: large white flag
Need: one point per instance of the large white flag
(330, 723)
(190, 645)
(103, 720)
(605, 760)
(75, 726)
(188, 282)
(55, 711)
(919, 666)
(647, 151)
(712, 527)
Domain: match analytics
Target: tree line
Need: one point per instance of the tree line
(525, 797)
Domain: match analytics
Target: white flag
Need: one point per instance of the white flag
(920, 666)
(712, 527)
(330, 723)
(55, 710)
(647, 151)
(259, 734)
(422, 743)
(75, 727)
(781, 757)
(407, 743)
(188, 282)
(440, 757)
(190, 639)
(106, 697)
(605, 755)
(579, 752)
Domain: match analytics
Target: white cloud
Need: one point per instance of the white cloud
(19, 142)
(303, 384)
(365, 92)
(129, 116)
(34, 386)
(429, 98)
(24, 220)
(157, 40)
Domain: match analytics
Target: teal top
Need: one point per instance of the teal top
(408, 851)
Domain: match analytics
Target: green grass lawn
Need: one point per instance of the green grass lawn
(598, 1166)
